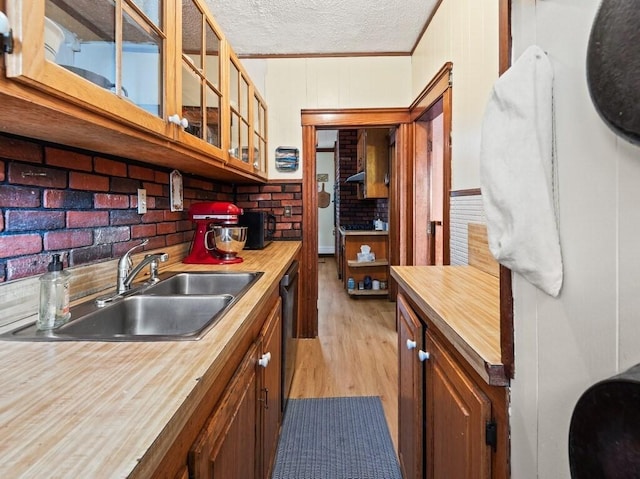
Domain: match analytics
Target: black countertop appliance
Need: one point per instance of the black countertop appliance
(261, 227)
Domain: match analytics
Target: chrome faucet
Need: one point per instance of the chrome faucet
(126, 274)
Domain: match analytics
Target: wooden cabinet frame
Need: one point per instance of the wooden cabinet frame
(28, 65)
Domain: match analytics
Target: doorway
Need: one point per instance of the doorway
(431, 116)
(326, 186)
(313, 120)
(431, 192)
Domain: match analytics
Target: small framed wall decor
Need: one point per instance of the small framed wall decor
(287, 158)
(175, 190)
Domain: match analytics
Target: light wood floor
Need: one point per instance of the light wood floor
(355, 351)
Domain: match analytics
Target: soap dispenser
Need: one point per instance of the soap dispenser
(54, 296)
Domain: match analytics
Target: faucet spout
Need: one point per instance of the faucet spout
(124, 266)
(151, 260)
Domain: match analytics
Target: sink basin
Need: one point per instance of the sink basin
(204, 283)
(181, 306)
(136, 318)
(144, 315)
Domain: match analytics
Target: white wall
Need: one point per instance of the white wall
(591, 331)
(464, 32)
(293, 84)
(326, 238)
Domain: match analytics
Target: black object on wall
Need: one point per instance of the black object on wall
(613, 66)
(604, 435)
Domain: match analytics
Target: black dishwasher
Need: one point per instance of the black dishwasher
(289, 295)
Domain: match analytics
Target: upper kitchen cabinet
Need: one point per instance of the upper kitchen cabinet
(108, 57)
(152, 80)
(200, 80)
(373, 163)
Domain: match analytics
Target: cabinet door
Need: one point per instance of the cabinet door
(96, 54)
(226, 446)
(361, 150)
(182, 473)
(376, 164)
(259, 145)
(247, 121)
(410, 392)
(270, 398)
(199, 81)
(457, 414)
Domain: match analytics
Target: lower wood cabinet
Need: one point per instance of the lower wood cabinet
(182, 473)
(458, 413)
(452, 424)
(411, 442)
(270, 399)
(226, 446)
(240, 437)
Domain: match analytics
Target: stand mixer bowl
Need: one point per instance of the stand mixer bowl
(228, 241)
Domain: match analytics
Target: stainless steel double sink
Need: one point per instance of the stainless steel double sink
(182, 306)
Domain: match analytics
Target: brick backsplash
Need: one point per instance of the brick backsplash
(83, 205)
(350, 209)
(273, 198)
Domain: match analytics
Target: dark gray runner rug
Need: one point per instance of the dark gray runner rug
(335, 438)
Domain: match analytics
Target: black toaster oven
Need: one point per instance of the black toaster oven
(261, 227)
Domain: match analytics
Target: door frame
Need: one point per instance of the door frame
(313, 120)
(398, 211)
(438, 89)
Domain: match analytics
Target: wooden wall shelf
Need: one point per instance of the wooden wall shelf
(352, 263)
(368, 292)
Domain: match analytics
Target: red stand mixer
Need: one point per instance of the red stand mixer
(217, 239)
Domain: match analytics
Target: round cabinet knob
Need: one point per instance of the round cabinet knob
(264, 360)
(411, 344)
(423, 355)
(176, 120)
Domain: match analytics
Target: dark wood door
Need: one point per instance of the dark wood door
(410, 392)
(226, 446)
(457, 412)
(270, 398)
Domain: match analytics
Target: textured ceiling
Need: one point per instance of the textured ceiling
(321, 27)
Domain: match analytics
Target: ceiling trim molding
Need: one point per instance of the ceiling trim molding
(426, 25)
(357, 116)
(268, 56)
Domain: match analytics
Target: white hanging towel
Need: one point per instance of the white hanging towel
(517, 172)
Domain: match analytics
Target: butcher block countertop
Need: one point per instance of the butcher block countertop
(113, 409)
(463, 303)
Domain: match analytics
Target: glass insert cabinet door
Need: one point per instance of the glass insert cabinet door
(201, 91)
(259, 135)
(115, 44)
(239, 107)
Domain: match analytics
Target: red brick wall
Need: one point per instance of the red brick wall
(84, 206)
(273, 198)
